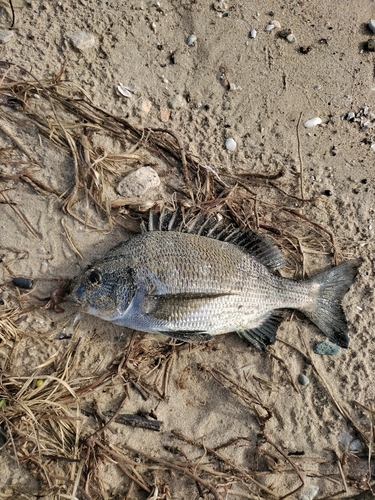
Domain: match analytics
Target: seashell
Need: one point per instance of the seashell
(313, 122)
(230, 144)
(191, 40)
(124, 91)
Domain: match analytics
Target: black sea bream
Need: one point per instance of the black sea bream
(191, 287)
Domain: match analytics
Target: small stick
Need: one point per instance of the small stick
(32, 231)
(70, 240)
(12, 10)
(300, 157)
(135, 420)
(4, 128)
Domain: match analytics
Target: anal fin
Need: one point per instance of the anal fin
(264, 334)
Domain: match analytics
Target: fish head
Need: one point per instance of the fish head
(105, 290)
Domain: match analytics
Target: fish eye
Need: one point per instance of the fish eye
(95, 277)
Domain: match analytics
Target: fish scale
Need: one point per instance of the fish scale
(191, 287)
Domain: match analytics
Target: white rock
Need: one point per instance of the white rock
(356, 445)
(371, 25)
(82, 40)
(308, 492)
(277, 24)
(137, 183)
(230, 144)
(270, 27)
(253, 33)
(176, 101)
(6, 36)
(291, 38)
(191, 40)
(313, 122)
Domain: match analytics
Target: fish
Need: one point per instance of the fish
(192, 286)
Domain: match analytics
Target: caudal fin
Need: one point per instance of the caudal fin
(327, 313)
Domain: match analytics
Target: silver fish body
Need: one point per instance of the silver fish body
(191, 287)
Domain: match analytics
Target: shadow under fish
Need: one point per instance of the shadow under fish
(193, 281)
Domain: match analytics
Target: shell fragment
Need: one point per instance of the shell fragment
(313, 122)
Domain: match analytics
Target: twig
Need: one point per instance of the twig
(184, 470)
(17, 212)
(134, 420)
(300, 157)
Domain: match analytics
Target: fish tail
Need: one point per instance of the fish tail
(326, 311)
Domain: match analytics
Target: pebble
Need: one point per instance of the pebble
(145, 106)
(276, 24)
(313, 122)
(137, 183)
(270, 27)
(350, 115)
(291, 38)
(371, 25)
(191, 40)
(25, 283)
(176, 101)
(326, 348)
(253, 33)
(82, 40)
(356, 445)
(309, 492)
(165, 114)
(6, 36)
(371, 44)
(230, 144)
(303, 379)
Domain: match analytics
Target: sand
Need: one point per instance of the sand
(237, 417)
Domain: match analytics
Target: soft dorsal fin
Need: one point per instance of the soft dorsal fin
(258, 246)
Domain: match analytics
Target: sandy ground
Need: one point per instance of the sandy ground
(216, 393)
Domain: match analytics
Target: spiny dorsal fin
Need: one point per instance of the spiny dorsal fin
(258, 246)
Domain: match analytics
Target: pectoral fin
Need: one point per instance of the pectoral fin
(175, 307)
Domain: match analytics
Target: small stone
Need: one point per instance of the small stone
(356, 445)
(291, 38)
(308, 492)
(371, 25)
(253, 33)
(326, 348)
(165, 114)
(270, 27)
(276, 24)
(350, 115)
(176, 101)
(191, 40)
(145, 106)
(230, 144)
(82, 40)
(371, 45)
(137, 183)
(313, 122)
(303, 380)
(6, 36)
